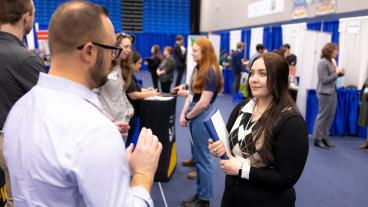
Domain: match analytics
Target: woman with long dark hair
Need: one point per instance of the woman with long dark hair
(328, 73)
(165, 71)
(205, 84)
(268, 140)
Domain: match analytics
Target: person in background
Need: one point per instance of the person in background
(283, 52)
(268, 141)
(260, 50)
(326, 94)
(237, 65)
(205, 84)
(135, 93)
(363, 112)
(19, 67)
(291, 58)
(72, 154)
(153, 62)
(114, 101)
(223, 59)
(165, 71)
(180, 56)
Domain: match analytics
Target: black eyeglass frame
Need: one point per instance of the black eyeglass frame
(115, 50)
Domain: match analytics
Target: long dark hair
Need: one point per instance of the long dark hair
(277, 84)
(126, 65)
(156, 52)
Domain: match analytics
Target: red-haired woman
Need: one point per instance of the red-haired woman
(206, 82)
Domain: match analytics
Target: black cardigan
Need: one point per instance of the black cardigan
(273, 185)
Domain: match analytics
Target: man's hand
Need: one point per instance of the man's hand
(144, 159)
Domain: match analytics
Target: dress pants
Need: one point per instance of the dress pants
(326, 114)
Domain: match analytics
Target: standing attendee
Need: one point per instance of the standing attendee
(205, 84)
(326, 94)
(60, 149)
(363, 112)
(291, 58)
(237, 65)
(114, 101)
(260, 50)
(153, 62)
(268, 141)
(19, 68)
(180, 55)
(135, 93)
(165, 71)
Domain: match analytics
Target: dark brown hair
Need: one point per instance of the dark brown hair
(327, 50)
(156, 51)
(208, 62)
(73, 24)
(169, 49)
(179, 37)
(277, 84)
(126, 65)
(11, 11)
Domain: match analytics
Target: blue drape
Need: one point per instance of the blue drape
(246, 35)
(327, 26)
(225, 40)
(333, 27)
(346, 116)
(144, 42)
(272, 37)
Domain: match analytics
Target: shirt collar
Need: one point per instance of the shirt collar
(248, 108)
(61, 84)
(10, 37)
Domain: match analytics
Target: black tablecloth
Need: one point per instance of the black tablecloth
(159, 116)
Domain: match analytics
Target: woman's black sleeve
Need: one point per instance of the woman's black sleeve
(291, 151)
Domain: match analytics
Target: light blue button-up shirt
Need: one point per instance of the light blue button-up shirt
(62, 151)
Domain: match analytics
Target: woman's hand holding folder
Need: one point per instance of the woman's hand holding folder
(217, 148)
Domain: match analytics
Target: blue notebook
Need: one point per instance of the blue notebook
(216, 127)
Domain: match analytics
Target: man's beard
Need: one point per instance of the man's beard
(97, 72)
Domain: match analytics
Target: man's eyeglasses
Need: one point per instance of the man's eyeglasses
(115, 50)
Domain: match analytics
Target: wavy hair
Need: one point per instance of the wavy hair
(207, 62)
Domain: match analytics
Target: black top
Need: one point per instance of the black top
(19, 70)
(153, 63)
(273, 185)
(210, 84)
(133, 87)
(179, 56)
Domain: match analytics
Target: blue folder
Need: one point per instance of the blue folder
(212, 130)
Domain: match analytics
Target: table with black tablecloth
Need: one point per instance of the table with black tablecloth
(159, 116)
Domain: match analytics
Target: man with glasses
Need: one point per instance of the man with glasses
(19, 68)
(61, 150)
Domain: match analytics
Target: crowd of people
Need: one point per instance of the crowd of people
(65, 132)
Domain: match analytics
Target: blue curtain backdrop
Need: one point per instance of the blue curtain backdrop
(272, 37)
(225, 40)
(246, 35)
(144, 42)
(326, 26)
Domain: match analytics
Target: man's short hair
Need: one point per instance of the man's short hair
(179, 37)
(286, 46)
(11, 11)
(239, 45)
(260, 47)
(73, 24)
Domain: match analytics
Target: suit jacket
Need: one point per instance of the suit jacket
(326, 77)
(179, 56)
(236, 62)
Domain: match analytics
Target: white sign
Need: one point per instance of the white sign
(265, 7)
(215, 40)
(190, 62)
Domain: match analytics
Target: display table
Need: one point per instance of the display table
(158, 114)
(346, 117)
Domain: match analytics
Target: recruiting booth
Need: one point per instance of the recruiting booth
(158, 114)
